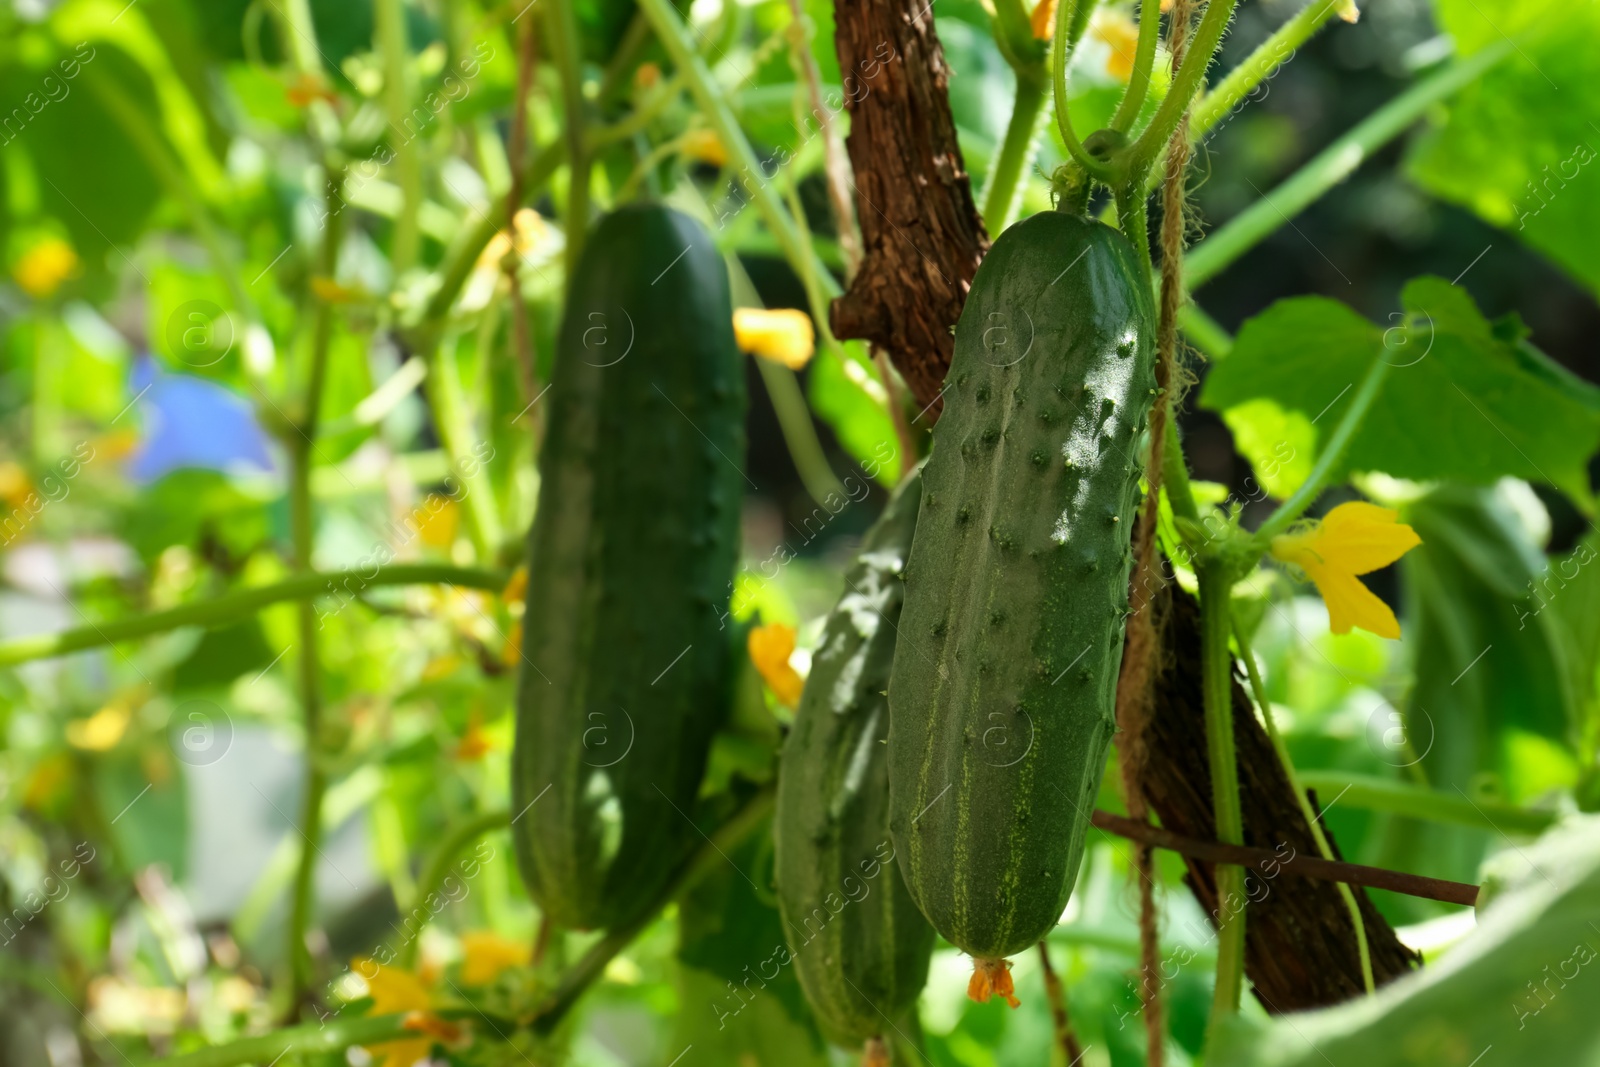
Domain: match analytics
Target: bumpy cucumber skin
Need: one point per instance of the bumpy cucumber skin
(860, 946)
(625, 671)
(1001, 698)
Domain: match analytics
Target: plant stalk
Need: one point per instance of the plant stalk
(1002, 190)
(1333, 165)
(1313, 819)
(230, 607)
(1217, 687)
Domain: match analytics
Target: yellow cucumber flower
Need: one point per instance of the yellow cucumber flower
(1043, 20)
(770, 648)
(396, 990)
(485, 954)
(783, 335)
(1352, 539)
(703, 146)
(42, 268)
(1121, 36)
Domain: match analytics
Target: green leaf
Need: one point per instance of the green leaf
(1467, 400)
(1518, 146)
(838, 384)
(1522, 984)
(740, 1000)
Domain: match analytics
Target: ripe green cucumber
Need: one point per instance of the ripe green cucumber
(625, 668)
(1001, 697)
(860, 946)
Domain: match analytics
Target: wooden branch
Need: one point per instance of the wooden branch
(920, 228)
(1300, 946)
(1303, 865)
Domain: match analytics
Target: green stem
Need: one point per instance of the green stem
(1419, 802)
(794, 419)
(334, 1035)
(674, 37)
(1330, 457)
(1191, 75)
(563, 43)
(339, 1034)
(1061, 61)
(231, 607)
(443, 389)
(1144, 62)
(1204, 332)
(302, 525)
(1000, 195)
(1332, 165)
(1175, 477)
(437, 869)
(390, 22)
(1313, 820)
(1217, 687)
(709, 856)
(463, 255)
(1260, 65)
(1133, 219)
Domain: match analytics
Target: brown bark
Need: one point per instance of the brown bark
(919, 225)
(1300, 945)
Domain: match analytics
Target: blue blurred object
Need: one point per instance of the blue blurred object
(192, 423)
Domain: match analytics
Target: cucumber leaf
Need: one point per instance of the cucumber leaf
(1518, 146)
(740, 1002)
(1467, 400)
(1523, 984)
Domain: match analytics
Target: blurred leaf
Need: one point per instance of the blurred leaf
(1460, 403)
(837, 384)
(1517, 146)
(739, 999)
(222, 655)
(1521, 984)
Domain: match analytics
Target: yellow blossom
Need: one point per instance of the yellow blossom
(1122, 37)
(1043, 20)
(15, 486)
(770, 648)
(484, 955)
(101, 731)
(437, 521)
(992, 978)
(648, 76)
(516, 590)
(1352, 539)
(783, 335)
(512, 652)
(474, 743)
(702, 145)
(393, 991)
(43, 268)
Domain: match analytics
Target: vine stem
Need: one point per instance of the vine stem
(389, 19)
(1419, 802)
(1313, 818)
(437, 869)
(1185, 83)
(562, 25)
(218, 611)
(1217, 688)
(1061, 61)
(1260, 65)
(1000, 193)
(338, 1034)
(1144, 61)
(1333, 164)
(1330, 456)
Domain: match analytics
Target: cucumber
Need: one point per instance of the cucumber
(860, 946)
(625, 669)
(1001, 697)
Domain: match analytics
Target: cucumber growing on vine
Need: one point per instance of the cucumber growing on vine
(1001, 697)
(860, 945)
(625, 666)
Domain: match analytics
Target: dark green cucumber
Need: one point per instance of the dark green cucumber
(625, 666)
(1001, 698)
(860, 945)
